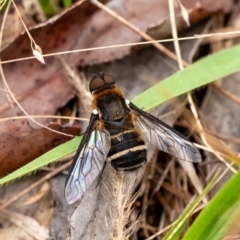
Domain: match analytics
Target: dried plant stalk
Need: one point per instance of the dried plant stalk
(79, 83)
(104, 210)
(122, 228)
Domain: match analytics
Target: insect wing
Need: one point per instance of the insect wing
(88, 163)
(163, 137)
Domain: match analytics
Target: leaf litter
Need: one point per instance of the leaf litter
(43, 84)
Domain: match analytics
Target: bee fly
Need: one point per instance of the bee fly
(116, 133)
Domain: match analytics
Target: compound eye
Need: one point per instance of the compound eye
(96, 83)
(109, 79)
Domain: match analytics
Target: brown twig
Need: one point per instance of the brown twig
(45, 178)
(145, 36)
(149, 173)
(227, 93)
(161, 180)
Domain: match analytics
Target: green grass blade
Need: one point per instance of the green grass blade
(67, 3)
(47, 158)
(49, 7)
(214, 220)
(202, 72)
(4, 6)
(198, 74)
(176, 229)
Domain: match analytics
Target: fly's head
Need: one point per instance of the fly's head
(100, 82)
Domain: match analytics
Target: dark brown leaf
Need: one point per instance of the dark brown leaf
(78, 28)
(20, 143)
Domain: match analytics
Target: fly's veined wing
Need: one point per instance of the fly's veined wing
(163, 137)
(89, 162)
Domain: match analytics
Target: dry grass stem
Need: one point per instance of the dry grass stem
(188, 168)
(166, 206)
(167, 184)
(79, 83)
(10, 93)
(194, 111)
(45, 116)
(42, 180)
(145, 36)
(114, 46)
(180, 62)
(224, 137)
(37, 51)
(121, 198)
(184, 12)
(36, 231)
(227, 93)
(189, 97)
(16, 101)
(162, 178)
(222, 34)
(218, 146)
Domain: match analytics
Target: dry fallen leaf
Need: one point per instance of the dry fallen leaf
(45, 188)
(43, 89)
(20, 143)
(27, 224)
(78, 28)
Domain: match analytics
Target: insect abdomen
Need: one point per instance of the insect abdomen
(127, 151)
